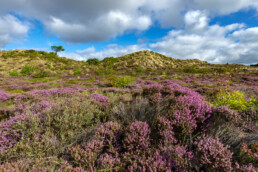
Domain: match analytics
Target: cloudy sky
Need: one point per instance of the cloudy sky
(217, 31)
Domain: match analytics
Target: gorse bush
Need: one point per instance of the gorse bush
(235, 100)
(121, 81)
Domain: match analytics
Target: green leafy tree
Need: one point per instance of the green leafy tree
(56, 49)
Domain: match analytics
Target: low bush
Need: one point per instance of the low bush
(104, 72)
(109, 61)
(14, 73)
(235, 100)
(212, 154)
(93, 61)
(27, 70)
(77, 72)
(121, 81)
(40, 74)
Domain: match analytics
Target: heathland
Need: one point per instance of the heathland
(139, 112)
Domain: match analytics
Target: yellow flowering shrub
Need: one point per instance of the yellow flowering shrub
(235, 100)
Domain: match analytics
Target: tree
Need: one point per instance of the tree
(56, 49)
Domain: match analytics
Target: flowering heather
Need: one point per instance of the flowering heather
(152, 87)
(43, 105)
(110, 89)
(246, 168)
(86, 156)
(55, 92)
(9, 135)
(165, 131)
(100, 99)
(211, 153)
(188, 111)
(137, 138)
(109, 133)
(156, 98)
(4, 96)
(70, 123)
(177, 157)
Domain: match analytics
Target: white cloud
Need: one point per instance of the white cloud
(103, 28)
(11, 29)
(90, 20)
(216, 44)
(111, 50)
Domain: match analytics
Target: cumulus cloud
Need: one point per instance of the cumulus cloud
(90, 20)
(213, 43)
(114, 23)
(84, 21)
(11, 29)
(112, 50)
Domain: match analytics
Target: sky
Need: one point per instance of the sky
(217, 31)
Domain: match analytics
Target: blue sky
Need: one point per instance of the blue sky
(215, 31)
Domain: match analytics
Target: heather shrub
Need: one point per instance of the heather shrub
(235, 100)
(100, 99)
(4, 96)
(212, 154)
(246, 168)
(100, 152)
(27, 70)
(137, 138)
(165, 133)
(86, 155)
(14, 73)
(188, 112)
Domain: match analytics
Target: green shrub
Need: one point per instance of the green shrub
(139, 69)
(43, 52)
(48, 66)
(30, 51)
(104, 72)
(93, 61)
(14, 73)
(27, 70)
(235, 100)
(40, 74)
(77, 72)
(109, 61)
(121, 81)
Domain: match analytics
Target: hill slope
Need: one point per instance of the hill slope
(149, 59)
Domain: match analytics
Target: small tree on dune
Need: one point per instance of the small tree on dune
(56, 49)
